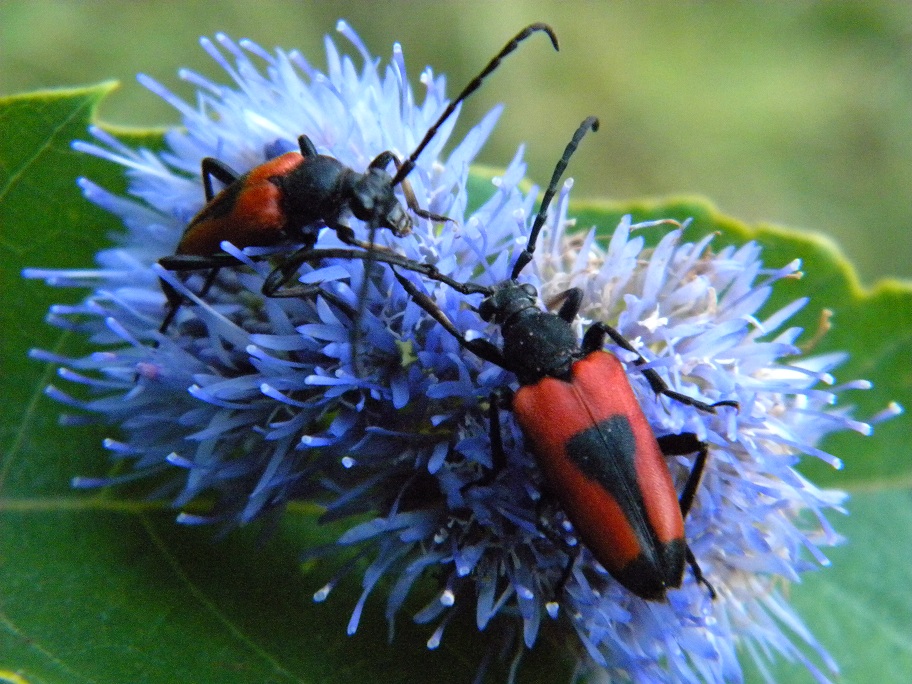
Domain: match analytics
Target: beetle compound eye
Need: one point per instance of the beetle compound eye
(487, 309)
(530, 290)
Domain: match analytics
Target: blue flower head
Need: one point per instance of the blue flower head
(252, 402)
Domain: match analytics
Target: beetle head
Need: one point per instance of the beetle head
(508, 299)
(373, 200)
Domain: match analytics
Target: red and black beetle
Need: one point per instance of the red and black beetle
(581, 418)
(294, 195)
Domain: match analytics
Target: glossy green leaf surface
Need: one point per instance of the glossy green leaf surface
(103, 587)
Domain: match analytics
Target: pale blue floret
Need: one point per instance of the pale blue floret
(256, 402)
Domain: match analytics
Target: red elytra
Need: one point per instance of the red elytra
(249, 212)
(603, 463)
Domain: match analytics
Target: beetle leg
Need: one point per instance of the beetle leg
(274, 285)
(480, 347)
(698, 574)
(412, 203)
(409, 193)
(381, 161)
(189, 262)
(286, 292)
(210, 280)
(194, 262)
(687, 443)
(500, 398)
(678, 445)
(175, 300)
(213, 168)
(572, 555)
(174, 303)
(572, 299)
(347, 235)
(594, 339)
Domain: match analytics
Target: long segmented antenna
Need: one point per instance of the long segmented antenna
(591, 123)
(409, 163)
(406, 167)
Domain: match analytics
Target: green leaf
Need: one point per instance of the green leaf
(98, 587)
(44, 221)
(861, 608)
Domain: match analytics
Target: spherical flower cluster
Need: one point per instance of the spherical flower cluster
(251, 402)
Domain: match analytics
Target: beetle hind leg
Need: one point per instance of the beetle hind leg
(677, 445)
(698, 574)
(189, 262)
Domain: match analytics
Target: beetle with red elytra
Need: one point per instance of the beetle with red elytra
(294, 195)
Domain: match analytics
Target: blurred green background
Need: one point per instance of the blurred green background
(794, 113)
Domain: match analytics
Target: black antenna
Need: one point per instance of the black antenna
(526, 255)
(409, 163)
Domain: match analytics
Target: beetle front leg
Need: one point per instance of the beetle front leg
(347, 235)
(410, 199)
(480, 347)
(412, 203)
(572, 299)
(500, 398)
